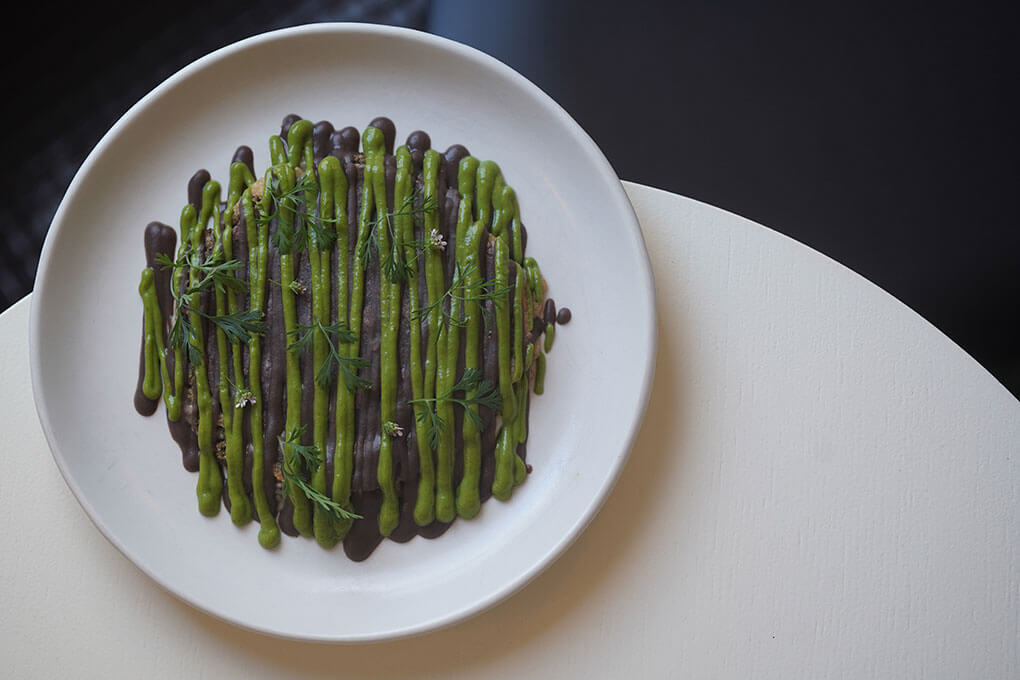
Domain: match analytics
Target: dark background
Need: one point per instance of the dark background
(881, 134)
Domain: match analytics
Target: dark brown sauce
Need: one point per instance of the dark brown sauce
(366, 497)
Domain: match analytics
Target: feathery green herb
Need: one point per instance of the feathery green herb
(297, 468)
(477, 392)
(397, 272)
(335, 335)
(287, 237)
(458, 292)
(213, 273)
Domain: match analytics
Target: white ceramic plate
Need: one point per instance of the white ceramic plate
(86, 316)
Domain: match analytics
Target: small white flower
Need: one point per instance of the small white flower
(243, 398)
(392, 429)
(297, 287)
(436, 240)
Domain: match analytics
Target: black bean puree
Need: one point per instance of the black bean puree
(444, 289)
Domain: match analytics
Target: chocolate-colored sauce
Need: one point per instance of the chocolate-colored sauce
(380, 292)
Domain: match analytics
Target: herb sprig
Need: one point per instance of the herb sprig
(335, 335)
(397, 272)
(296, 468)
(217, 274)
(458, 292)
(478, 392)
(286, 237)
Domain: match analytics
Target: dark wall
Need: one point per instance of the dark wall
(882, 134)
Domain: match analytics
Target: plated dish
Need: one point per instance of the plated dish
(125, 471)
(347, 345)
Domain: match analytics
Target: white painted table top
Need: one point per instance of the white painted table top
(824, 486)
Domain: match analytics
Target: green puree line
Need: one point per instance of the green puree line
(258, 263)
(389, 311)
(540, 374)
(284, 175)
(210, 483)
(328, 529)
(425, 507)
(300, 147)
(424, 510)
(333, 204)
(449, 348)
(156, 374)
(469, 235)
(403, 195)
(233, 416)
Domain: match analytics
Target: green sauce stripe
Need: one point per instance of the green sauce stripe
(174, 405)
(358, 275)
(152, 382)
(520, 429)
(540, 374)
(425, 507)
(450, 349)
(155, 370)
(333, 205)
(502, 209)
(240, 179)
(486, 174)
(510, 468)
(284, 174)
(476, 180)
(516, 236)
(361, 246)
(449, 338)
(300, 149)
(502, 481)
(506, 445)
(240, 507)
(534, 278)
(320, 290)
(389, 311)
(468, 493)
(520, 284)
(277, 150)
(210, 482)
(502, 266)
(258, 263)
(319, 256)
(550, 336)
(299, 143)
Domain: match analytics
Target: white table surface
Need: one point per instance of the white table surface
(824, 486)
